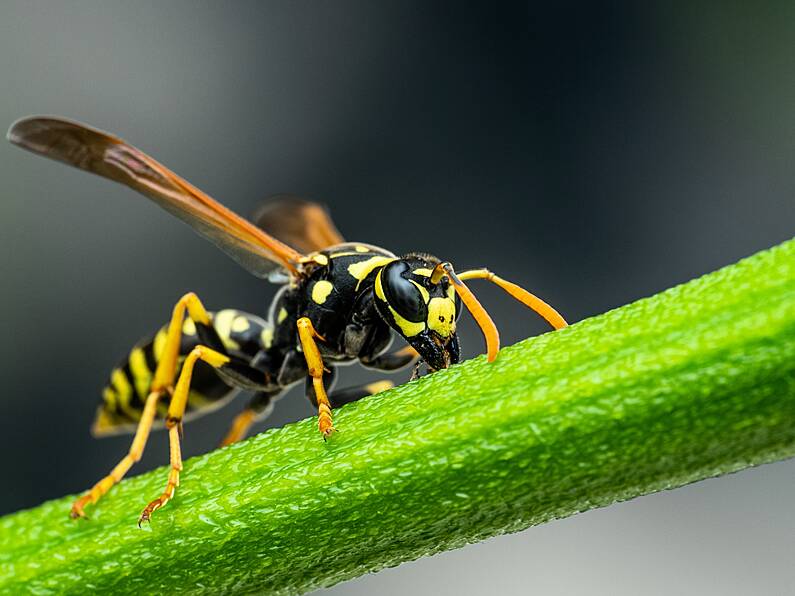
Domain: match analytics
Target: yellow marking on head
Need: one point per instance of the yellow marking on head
(361, 248)
(425, 296)
(321, 291)
(240, 324)
(422, 271)
(282, 315)
(189, 327)
(140, 371)
(378, 387)
(223, 322)
(407, 328)
(160, 343)
(451, 292)
(267, 336)
(362, 269)
(441, 316)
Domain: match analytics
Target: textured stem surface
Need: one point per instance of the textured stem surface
(691, 383)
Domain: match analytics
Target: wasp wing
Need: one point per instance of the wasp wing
(303, 224)
(106, 155)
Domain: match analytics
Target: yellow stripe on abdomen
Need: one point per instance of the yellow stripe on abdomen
(223, 321)
(141, 374)
(124, 393)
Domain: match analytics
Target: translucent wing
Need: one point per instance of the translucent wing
(303, 224)
(106, 155)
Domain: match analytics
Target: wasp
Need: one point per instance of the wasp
(339, 302)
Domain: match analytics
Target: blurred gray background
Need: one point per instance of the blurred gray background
(595, 154)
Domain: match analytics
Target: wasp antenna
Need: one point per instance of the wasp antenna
(531, 301)
(439, 271)
(479, 313)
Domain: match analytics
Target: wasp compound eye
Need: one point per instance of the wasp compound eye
(402, 294)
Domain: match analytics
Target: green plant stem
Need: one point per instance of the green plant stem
(691, 383)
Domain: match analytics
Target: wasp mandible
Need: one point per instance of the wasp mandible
(340, 303)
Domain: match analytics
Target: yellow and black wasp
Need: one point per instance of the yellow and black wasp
(339, 303)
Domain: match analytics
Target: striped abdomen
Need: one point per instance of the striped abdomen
(124, 396)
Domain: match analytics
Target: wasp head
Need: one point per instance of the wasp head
(420, 309)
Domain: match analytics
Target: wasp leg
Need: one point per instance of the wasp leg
(340, 397)
(393, 360)
(167, 367)
(549, 314)
(258, 408)
(176, 409)
(133, 456)
(162, 384)
(315, 368)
